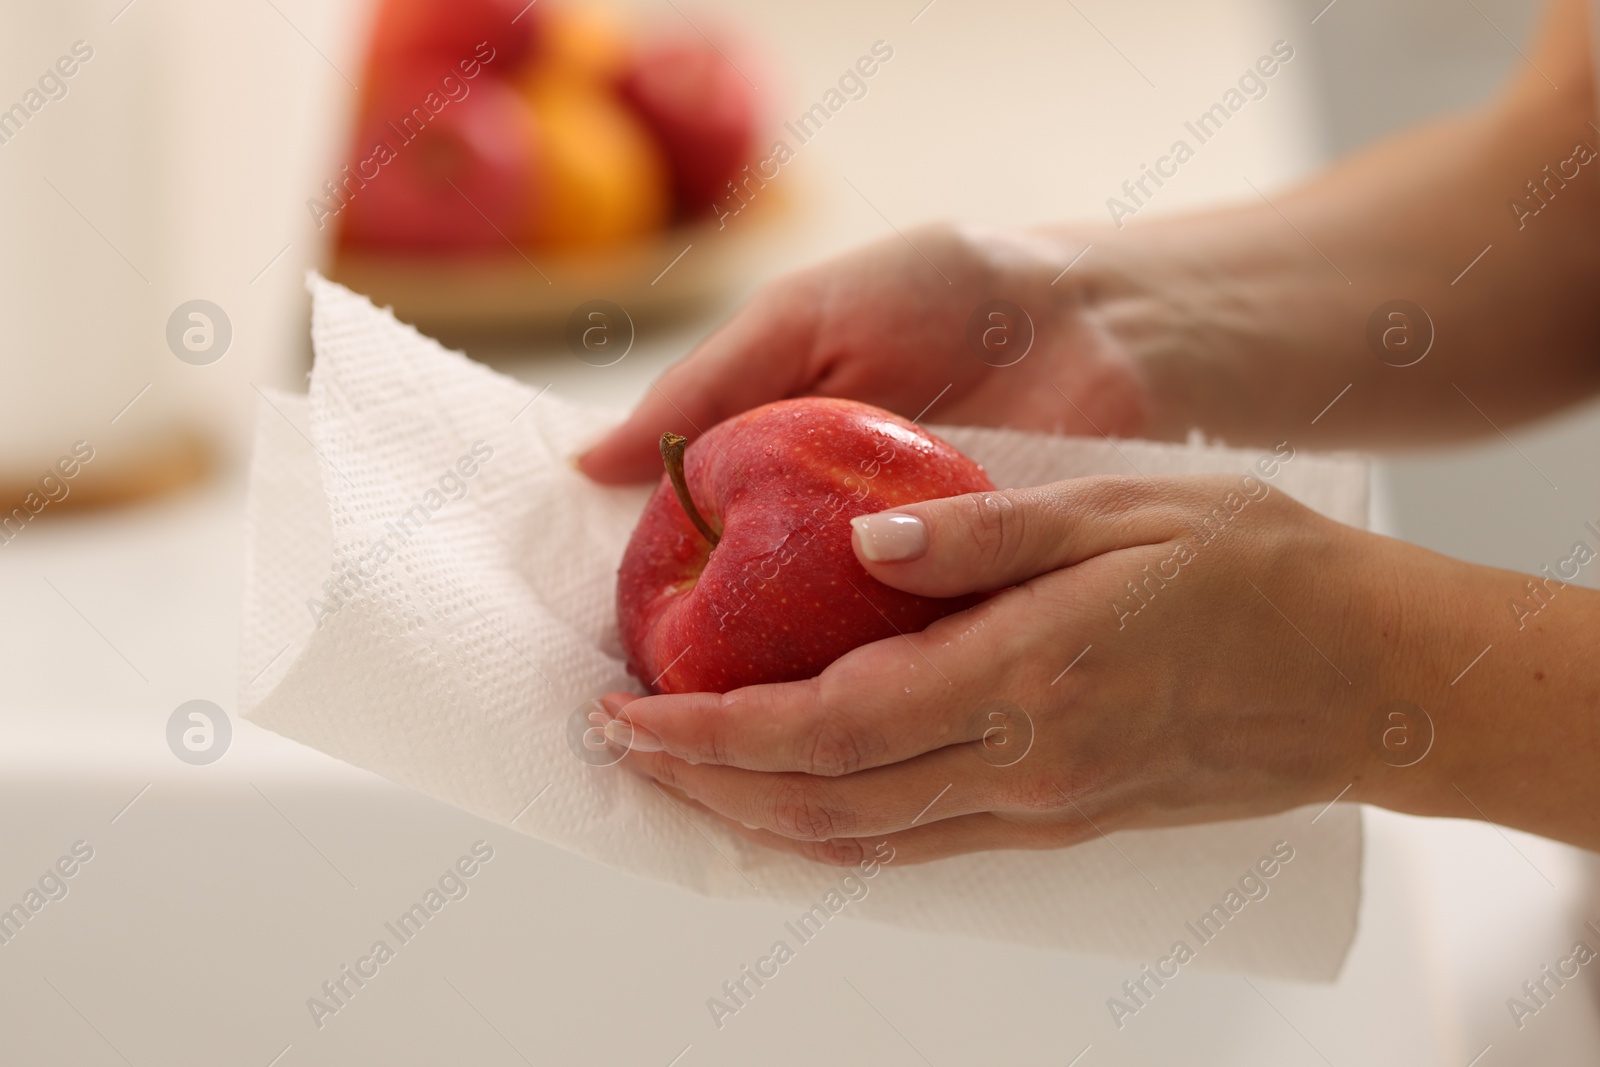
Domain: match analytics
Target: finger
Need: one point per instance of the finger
(757, 356)
(981, 832)
(986, 541)
(944, 784)
(878, 704)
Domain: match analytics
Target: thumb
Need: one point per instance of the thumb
(981, 542)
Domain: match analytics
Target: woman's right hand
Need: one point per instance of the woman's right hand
(898, 324)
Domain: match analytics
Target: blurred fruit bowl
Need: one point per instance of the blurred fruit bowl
(505, 294)
(511, 160)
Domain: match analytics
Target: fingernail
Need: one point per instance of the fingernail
(890, 536)
(636, 738)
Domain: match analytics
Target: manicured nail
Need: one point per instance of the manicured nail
(637, 738)
(890, 536)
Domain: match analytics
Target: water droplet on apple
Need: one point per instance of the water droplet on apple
(908, 690)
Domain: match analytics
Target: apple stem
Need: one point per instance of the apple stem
(672, 446)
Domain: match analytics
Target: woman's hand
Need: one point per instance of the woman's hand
(1244, 323)
(1170, 651)
(889, 325)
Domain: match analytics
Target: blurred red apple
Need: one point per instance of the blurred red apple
(701, 109)
(780, 595)
(441, 173)
(450, 31)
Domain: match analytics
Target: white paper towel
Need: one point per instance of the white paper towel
(432, 585)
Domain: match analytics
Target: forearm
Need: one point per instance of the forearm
(1248, 323)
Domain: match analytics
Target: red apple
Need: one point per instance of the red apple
(701, 109)
(440, 173)
(781, 594)
(450, 31)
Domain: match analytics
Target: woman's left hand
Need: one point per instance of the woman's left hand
(1161, 651)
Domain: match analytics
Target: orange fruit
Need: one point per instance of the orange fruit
(585, 42)
(603, 178)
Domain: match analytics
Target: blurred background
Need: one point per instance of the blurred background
(162, 203)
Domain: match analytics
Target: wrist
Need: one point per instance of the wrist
(1483, 706)
(1420, 619)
